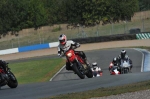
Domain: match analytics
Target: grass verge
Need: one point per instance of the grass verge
(36, 71)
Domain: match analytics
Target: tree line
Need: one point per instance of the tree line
(16, 15)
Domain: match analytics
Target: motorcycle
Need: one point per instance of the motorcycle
(114, 70)
(7, 78)
(78, 65)
(125, 66)
(96, 72)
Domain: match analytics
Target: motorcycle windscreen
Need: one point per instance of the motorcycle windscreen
(125, 64)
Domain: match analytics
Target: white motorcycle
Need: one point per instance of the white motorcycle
(125, 66)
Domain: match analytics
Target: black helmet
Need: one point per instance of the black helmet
(115, 60)
(123, 53)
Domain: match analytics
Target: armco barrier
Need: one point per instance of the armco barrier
(9, 51)
(143, 36)
(80, 40)
(33, 47)
(106, 38)
(53, 44)
(28, 48)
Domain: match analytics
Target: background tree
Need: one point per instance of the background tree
(5, 21)
(20, 14)
(37, 15)
(144, 5)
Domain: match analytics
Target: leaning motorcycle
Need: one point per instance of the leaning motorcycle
(125, 66)
(7, 78)
(78, 65)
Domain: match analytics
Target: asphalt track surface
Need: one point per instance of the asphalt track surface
(68, 82)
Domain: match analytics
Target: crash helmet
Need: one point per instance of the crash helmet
(119, 57)
(123, 53)
(115, 60)
(94, 64)
(62, 39)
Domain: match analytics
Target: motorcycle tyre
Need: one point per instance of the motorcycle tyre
(89, 74)
(126, 71)
(12, 83)
(76, 70)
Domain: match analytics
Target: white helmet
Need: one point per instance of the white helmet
(62, 39)
(94, 64)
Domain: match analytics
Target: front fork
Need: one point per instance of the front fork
(79, 66)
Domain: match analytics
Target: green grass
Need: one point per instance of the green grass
(36, 71)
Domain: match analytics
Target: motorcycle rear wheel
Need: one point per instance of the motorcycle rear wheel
(126, 71)
(89, 74)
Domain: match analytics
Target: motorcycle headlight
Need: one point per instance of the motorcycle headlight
(69, 54)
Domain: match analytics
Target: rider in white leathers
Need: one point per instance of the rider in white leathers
(65, 45)
(96, 70)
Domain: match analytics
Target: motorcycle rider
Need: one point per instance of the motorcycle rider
(115, 62)
(3, 64)
(124, 56)
(96, 70)
(65, 45)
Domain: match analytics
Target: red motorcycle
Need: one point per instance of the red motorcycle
(113, 69)
(78, 65)
(7, 78)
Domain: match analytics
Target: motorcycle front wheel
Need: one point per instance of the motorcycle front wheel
(12, 83)
(76, 68)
